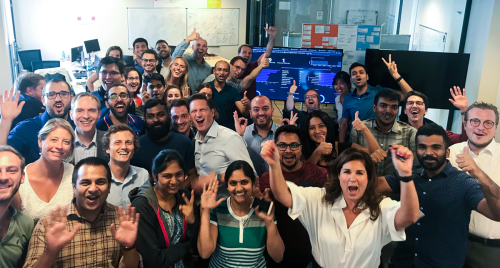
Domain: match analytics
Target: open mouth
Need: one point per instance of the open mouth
(239, 193)
(200, 122)
(123, 153)
(319, 136)
(92, 198)
(387, 116)
(288, 158)
(352, 189)
(414, 110)
(6, 186)
(57, 153)
(120, 107)
(58, 106)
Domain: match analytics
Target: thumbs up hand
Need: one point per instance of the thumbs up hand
(245, 100)
(358, 124)
(466, 163)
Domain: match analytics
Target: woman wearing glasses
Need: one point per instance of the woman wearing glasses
(178, 74)
(319, 139)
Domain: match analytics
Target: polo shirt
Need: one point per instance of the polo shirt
(32, 107)
(439, 239)
(118, 194)
(24, 136)
(363, 104)
(14, 245)
(252, 89)
(134, 122)
(197, 72)
(225, 103)
(254, 142)
(138, 67)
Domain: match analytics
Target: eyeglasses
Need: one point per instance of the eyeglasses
(112, 73)
(294, 146)
(239, 68)
(315, 96)
(418, 103)
(122, 96)
(487, 123)
(133, 78)
(62, 94)
(158, 86)
(149, 60)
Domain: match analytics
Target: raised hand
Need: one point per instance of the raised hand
(378, 155)
(324, 148)
(187, 209)
(193, 36)
(391, 66)
(271, 31)
(245, 100)
(404, 168)
(186, 92)
(268, 218)
(127, 231)
(239, 127)
(291, 121)
(466, 163)
(269, 152)
(459, 98)
(293, 88)
(358, 124)
(56, 234)
(10, 108)
(197, 185)
(145, 96)
(264, 62)
(209, 196)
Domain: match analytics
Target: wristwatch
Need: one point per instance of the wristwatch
(399, 79)
(407, 179)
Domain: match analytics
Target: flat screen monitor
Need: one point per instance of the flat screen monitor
(309, 67)
(76, 54)
(92, 45)
(28, 56)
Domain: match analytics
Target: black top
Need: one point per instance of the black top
(32, 107)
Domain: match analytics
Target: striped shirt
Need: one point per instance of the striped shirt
(241, 240)
(82, 151)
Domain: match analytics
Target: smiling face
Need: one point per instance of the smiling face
(202, 116)
(221, 71)
(317, 130)
(431, 152)
(415, 108)
(119, 105)
(480, 136)
(246, 53)
(149, 62)
(56, 145)
(133, 82)
(172, 94)
(109, 75)
(238, 68)
(178, 68)
(57, 106)
(353, 180)
(386, 111)
(163, 50)
(311, 100)
(155, 89)
(85, 114)
(340, 86)
(289, 158)
(181, 122)
(121, 147)
(359, 77)
(261, 112)
(169, 180)
(239, 187)
(11, 176)
(200, 48)
(139, 48)
(91, 189)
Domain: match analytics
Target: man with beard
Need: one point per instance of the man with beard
(447, 196)
(164, 52)
(15, 227)
(261, 130)
(198, 68)
(111, 72)
(31, 87)
(118, 101)
(478, 156)
(298, 248)
(311, 100)
(227, 98)
(158, 137)
(155, 87)
(181, 122)
(149, 61)
(386, 129)
(23, 137)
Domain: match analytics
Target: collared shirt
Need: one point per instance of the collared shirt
(362, 103)
(236, 84)
(400, 133)
(118, 194)
(254, 142)
(488, 160)
(439, 239)
(138, 67)
(24, 137)
(333, 243)
(32, 107)
(220, 148)
(197, 72)
(225, 103)
(92, 246)
(14, 245)
(134, 122)
(82, 151)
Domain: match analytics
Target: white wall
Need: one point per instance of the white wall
(5, 74)
(52, 26)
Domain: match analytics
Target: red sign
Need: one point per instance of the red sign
(320, 35)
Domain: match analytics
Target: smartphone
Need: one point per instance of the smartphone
(264, 205)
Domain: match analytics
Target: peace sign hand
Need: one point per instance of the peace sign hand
(391, 66)
(187, 209)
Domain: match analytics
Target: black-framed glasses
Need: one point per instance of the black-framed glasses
(122, 96)
(486, 123)
(149, 60)
(112, 73)
(294, 146)
(62, 94)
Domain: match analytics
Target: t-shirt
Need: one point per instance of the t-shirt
(14, 246)
(225, 104)
(150, 148)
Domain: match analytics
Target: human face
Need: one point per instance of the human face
(312, 100)
(201, 115)
(207, 91)
(200, 48)
(173, 94)
(149, 62)
(57, 106)
(157, 122)
(121, 147)
(85, 114)
(261, 112)
(115, 54)
(91, 189)
(415, 108)
(163, 50)
(11, 176)
(56, 145)
(480, 136)
(170, 180)
(386, 111)
(238, 68)
(178, 68)
(289, 158)
(133, 82)
(180, 119)
(139, 48)
(359, 77)
(431, 152)
(246, 53)
(110, 75)
(119, 105)
(317, 130)
(341, 86)
(353, 180)
(239, 187)
(37, 91)
(155, 89)
(221, 72)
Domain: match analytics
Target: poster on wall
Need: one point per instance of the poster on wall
(368, 37)
(319, 35)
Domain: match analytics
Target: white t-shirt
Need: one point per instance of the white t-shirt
(335, 245)
(338, 106)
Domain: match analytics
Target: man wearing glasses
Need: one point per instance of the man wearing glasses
(118, 101)
(111, 72)
(480, 157)
(149, 62)
(311, 101)
(57, 97)
(298, 248)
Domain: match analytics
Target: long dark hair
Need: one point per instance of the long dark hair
(309, 144)
(240, 165)
(370, 199)
(164, 158)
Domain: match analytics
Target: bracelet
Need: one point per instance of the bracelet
(128, 248)
(407, 179)
(290, 93)
(399, 79)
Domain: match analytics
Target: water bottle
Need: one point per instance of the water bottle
(63, 57)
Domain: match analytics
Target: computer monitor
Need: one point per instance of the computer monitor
(29, 56)
(92, 45)
(76, 54)
(311, 68)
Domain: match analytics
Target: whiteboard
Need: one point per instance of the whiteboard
(154, 24)
(219, 26)
(430, 39)
(363, 17)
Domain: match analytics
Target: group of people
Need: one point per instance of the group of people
(146, 172)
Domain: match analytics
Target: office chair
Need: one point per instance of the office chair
(45, 64)
(28, 56)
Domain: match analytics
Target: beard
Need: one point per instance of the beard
(53, 114)
(158, 133)
(440, 161)
(116, 113)
(12, 194)
(290, 166)
(481, 145)
(167, 54)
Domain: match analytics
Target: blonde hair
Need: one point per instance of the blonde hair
(54, 124)
(184, 79)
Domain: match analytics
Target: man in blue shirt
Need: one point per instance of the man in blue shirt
(31, 87)
(111, 72)
(447, 196)
(118, 101)
(23, 137)
(140, 45)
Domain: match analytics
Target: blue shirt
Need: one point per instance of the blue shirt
(254, 144)
(32, 107)
(118, 193)
(362, 103)
(440, 238)
(225, 103)
(134, 122)
(24, 136)
(138, 67)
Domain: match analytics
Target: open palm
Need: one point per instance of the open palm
(9, 106)
(126, 233)
(209, 197)
(56, 234)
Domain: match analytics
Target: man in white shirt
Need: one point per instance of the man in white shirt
(478, 156)
(164, 52)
